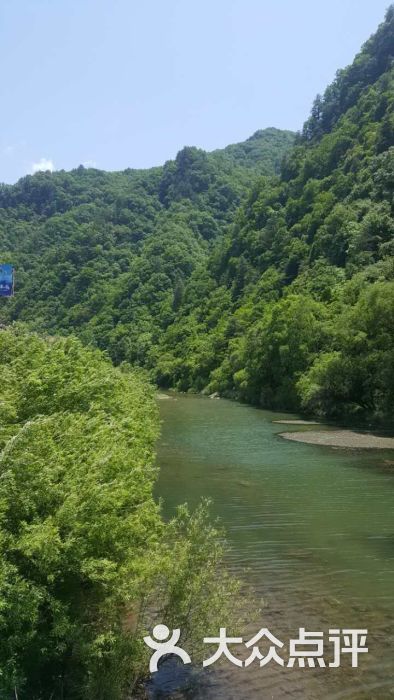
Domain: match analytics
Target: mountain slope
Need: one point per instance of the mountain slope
(89, 246)
(283, 298)
(294, 308)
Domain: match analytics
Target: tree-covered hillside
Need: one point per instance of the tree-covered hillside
(92, 248)
(283, 298)
(295, 308)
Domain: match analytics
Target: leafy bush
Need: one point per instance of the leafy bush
(85, 556)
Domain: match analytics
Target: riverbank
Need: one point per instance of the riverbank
(341, 438)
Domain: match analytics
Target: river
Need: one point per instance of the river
(310, 527)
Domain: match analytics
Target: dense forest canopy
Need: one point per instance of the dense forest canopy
(295, 305)
(263, 271)
(91, 246)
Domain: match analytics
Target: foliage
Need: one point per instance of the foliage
(292, 308)
(85, 555)
(106, 255)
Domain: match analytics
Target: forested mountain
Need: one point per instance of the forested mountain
(106, 255)
(295, 308)
(283, 298)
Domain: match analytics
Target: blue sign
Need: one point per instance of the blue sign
(6, 280)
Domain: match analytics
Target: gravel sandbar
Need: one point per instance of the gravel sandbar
(342, 438)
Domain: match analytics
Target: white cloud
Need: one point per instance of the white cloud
(43, 164)
(89, 164)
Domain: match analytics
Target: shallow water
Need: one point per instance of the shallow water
(314, 526)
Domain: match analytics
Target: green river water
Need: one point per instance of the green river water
(310, 527)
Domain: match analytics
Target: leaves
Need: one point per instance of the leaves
(82, 540)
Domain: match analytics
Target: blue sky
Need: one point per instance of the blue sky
(127, 83)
